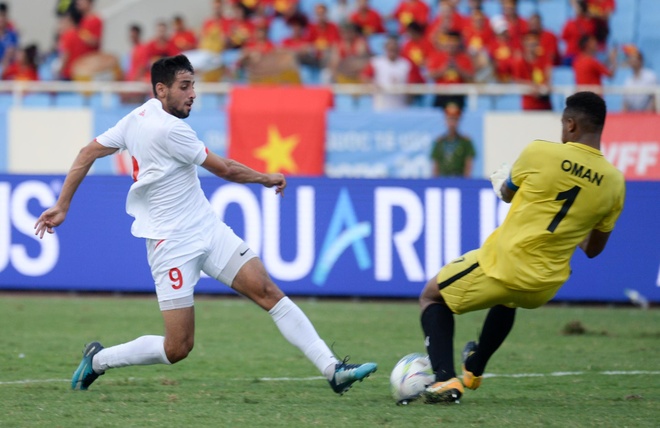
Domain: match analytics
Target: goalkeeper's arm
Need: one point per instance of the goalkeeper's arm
(499, 180)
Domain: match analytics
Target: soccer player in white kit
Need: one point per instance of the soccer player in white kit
(183, 235)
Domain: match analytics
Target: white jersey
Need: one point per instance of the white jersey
(166, 198)
(389, 73)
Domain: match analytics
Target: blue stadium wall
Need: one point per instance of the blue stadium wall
(327, 237)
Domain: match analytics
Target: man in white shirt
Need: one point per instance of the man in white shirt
(183, 234)
(388, 70)
(641, 77)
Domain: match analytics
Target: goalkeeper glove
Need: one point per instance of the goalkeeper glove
(498, 177)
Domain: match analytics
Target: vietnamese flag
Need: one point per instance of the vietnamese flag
(279, 129)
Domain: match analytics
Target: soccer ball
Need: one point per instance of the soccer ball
(410, 377)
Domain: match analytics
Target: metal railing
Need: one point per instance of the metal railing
(19, 89)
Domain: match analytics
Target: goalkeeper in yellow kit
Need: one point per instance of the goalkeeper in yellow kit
(563, 196)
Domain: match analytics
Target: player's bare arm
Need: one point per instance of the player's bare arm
(236, 172)
(594, 243)
(507, 193)
(55, 215)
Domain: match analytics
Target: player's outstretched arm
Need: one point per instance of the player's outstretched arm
(594, 243)
(236, 172)
(55, 215)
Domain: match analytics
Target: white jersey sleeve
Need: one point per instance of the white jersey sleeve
(115, 136)
(184, 146)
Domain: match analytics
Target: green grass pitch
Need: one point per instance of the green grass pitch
(234, 375)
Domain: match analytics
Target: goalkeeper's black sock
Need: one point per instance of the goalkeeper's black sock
(438, 326)
(497, 326)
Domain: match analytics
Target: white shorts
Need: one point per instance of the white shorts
(176, 264)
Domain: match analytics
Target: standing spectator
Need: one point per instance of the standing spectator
(503, 49)
(298, 42)
(517, 25)
(575, 29)
(588, 70)
(90, 28)
(453, 153)
(213, 37)
(8, 42)
(183, 38)
(450, 65)
(388, 70)
(477, 32)
(367, 19)
(600, 11)
(139, 63)
(411, 10)
(548, 45)
(349, 57)
(24, 67)
(641, 77)
(256, 47)
(323, 34)
(416, 48)
(534, 69)
(70, 46)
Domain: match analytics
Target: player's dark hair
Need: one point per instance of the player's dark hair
(165, 70)
(588, 108)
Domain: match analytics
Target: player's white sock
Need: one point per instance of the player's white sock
(142, 351)
(299, 331)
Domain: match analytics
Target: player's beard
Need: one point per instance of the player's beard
(180, 113)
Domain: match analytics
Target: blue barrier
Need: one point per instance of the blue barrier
(327, 237)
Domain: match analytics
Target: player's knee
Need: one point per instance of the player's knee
(179, 351)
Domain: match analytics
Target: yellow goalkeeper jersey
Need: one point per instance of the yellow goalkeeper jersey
(563, 191)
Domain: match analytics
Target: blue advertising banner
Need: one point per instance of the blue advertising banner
(327, 237)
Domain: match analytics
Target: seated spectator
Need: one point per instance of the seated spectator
(8, 42)
(388, 70)
(256, 47)
(516, 25)
(213, 37)
(90, 28)
(588, 70)
(575, 29)
(24, 66)
(323, 34)
(453, 153)
(299, 42)
(284, 8)
(367, 19)
(450, 65)
(408, 11)
(70, 46)
(350, 56)
(641, 76)
(239, 29)
(503, 49)
(548, 45)
(416, 48)
(183, 38)
(448, 19)
(139, 59)
(477, 32)
(534, 69)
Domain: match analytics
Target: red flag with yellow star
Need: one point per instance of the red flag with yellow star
(279, 129)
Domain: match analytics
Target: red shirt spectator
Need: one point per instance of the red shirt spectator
(323, 34)
(588, 70)
(213, 36)
(183, 38)
(448, 19)
(70, 46)
(517, 26)
(139, 55)
(90, 28)
(24, 66)
(503, 49)
(160, 46)
(548, 44)
(450, 65)
(411, 10)
(576, 28)
(416, 48)
(477, 32)
(239, 29)
(601, 8)
(533, 68)
(367, 19)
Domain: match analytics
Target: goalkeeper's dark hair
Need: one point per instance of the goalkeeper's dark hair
(588, 108)
(165, 70)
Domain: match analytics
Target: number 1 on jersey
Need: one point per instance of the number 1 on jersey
(568, 197)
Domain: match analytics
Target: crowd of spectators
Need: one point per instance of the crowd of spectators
(425, 44)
